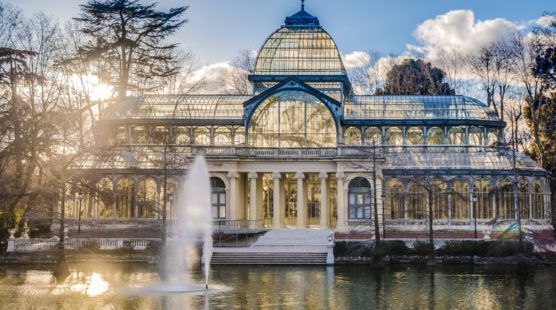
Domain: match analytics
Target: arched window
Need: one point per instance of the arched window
(456, 136)
(201, 136)
(146, 198)
(105, 198)
(122, 135)
(394, 200)
(439, 199)
(222, 136)
(416, 200)
(160, 135)
(476, 136)
(414, 136)
(505, 199)
(352, 136)
(359, 199)
(181, 135)
(292, 119)
(493, 135)
(537, 211)
(239, 136)
(124, 198)
(460, 200)
(171, 197)
(140, 135)
(435, 136)
(482, 194)
(523, 199)
(394, 136)
(218, 198)
(373, 136)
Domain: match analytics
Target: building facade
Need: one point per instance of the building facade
(304, 151)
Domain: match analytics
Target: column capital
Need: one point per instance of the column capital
(300, 175)
(340, 175)
(252, 175)
(233, 175)
(323, 175)
(276, 175)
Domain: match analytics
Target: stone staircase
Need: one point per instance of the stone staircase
(279, 247)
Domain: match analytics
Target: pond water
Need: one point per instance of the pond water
(114, 286)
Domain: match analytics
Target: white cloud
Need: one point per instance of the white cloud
(356, 59)
(212, 76)
(546, 21)
(459, 29)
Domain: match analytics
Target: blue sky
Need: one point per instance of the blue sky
(218, 29)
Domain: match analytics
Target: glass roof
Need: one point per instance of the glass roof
(299, 50)
(225, 107)
(454, 160)
(416, 107)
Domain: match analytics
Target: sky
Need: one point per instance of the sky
(218, 29)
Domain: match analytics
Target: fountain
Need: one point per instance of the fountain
(193, 223)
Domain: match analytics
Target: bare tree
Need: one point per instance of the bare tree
(236, 80)
(451, 61)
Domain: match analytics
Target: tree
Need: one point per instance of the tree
(415, 77)
(130, 39)
(236, 79)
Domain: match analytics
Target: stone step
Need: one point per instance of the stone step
(251, 258)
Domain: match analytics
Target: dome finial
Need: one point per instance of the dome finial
(302, 5)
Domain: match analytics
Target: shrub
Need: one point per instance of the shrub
(423, 248)
(353, 249)
(395, 247)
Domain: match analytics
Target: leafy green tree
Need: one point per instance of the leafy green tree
(129, 38)
(415, 77)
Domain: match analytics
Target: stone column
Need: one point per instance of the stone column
(232, 176)
(324, 223)
(341, 225)
(252, 200)
(301, 201)
(276, 215)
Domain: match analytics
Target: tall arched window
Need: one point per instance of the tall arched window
(140, 135)
(124, 198)
(523, 199)
(239, 136)
(476, 136)
(537, 209)
(201, 136)
(218, 198)
(105, 198)
(416, 200)
(460, 200)
(359, 199)
(394, 200)
(439, 199)
(505, 199)
(222, 136)
(292, 119)
(493, 134)
(146, 198)
(160, 135)
(482, 194)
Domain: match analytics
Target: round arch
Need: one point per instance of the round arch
(292, 118)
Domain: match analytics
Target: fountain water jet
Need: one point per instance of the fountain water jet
(193, 223)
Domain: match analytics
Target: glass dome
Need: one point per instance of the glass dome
(300, 47)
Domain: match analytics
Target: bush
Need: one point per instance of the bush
(423, 248)
(353, 249)
(483, 248)
(394, 247)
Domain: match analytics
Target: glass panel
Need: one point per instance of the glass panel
(415, 136)
(292, 119)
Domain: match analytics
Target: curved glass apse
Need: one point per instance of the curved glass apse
(292, 119)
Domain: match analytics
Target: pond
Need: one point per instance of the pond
(111, 286)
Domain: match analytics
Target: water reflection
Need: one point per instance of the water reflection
(101, 286)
